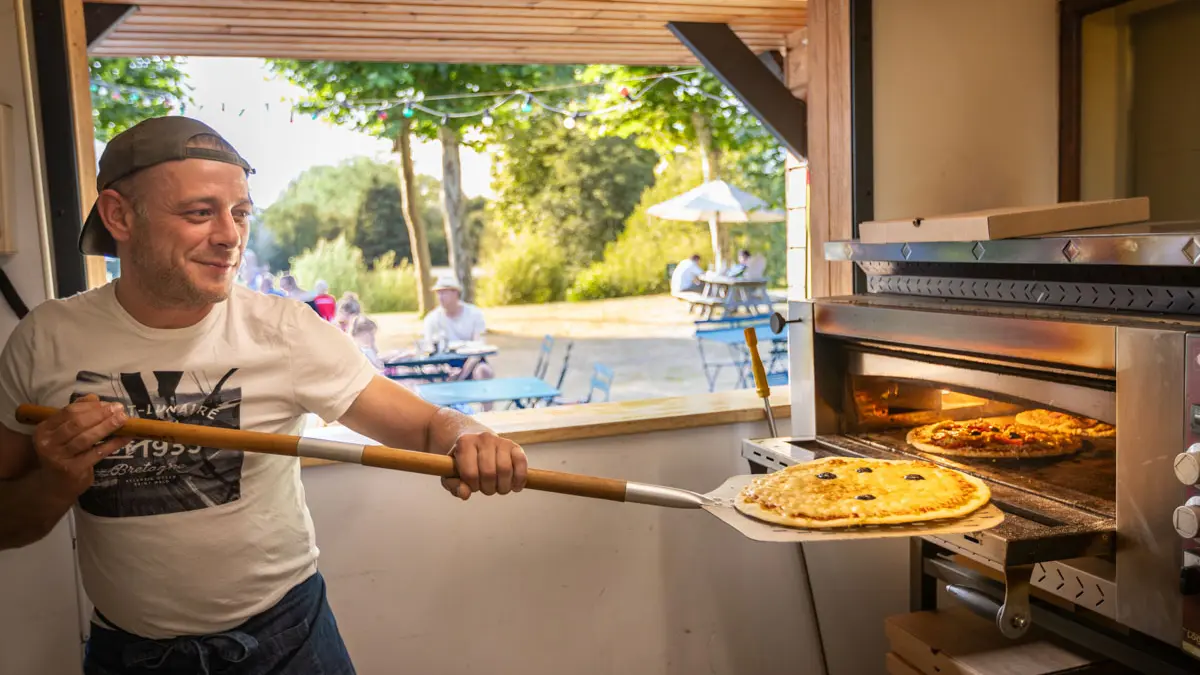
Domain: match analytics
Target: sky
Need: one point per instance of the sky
(256, 119)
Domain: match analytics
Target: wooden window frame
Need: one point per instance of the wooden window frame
(1070, 92)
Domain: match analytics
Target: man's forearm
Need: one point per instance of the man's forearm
(446, 426)
(29, 508)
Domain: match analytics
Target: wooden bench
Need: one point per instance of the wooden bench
(697, 299)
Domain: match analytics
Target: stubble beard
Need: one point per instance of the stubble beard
(170, 286)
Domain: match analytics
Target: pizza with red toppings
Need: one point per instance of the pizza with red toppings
(993, 440)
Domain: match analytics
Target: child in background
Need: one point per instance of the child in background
(347, 309)
(323, 302)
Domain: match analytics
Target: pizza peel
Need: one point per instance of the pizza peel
(718, 502)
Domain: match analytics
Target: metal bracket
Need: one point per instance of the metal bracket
(762, 92)
(1014, 618)
(801, 372)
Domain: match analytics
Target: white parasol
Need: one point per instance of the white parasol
(715, 202)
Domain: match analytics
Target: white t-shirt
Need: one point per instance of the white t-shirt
(183, 540)
(685, 275)
(467, 326)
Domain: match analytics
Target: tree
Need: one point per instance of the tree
(341, 92)
(572, 188)
(372, 97)
(436, 81)
(695, 111)
(359, 198)
(127, 91)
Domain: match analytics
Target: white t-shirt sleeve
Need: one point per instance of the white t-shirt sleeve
(478, 325)
(16, 375)
(329, 370)
(431, 324)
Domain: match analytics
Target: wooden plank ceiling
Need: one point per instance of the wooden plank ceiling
(630, 32)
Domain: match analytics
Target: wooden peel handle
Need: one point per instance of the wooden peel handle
(174, 432)
(756, 364)
(535, 479)
(373, 455)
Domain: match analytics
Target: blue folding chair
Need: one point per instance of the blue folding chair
(543, 362)
(602, 379)
(601, 382)
(562, 374)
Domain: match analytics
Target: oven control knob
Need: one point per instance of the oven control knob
(1187, 465)
(1187, 519)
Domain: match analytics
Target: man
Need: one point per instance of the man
(687, 274)
(197, 560)
(456, 321)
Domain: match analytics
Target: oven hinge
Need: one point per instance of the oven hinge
(1014, 618)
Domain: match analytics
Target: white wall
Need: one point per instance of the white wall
(965, 105)
(539, 583)
(39, 613)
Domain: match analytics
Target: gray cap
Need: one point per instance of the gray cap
(147, 143)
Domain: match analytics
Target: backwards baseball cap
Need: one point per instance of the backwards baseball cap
(147, 143)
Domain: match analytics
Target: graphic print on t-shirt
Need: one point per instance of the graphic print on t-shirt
(147, 478)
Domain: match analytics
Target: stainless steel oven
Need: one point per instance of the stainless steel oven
(1101, 546)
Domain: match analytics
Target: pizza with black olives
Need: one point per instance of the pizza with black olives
(846, 491)
(986, 439)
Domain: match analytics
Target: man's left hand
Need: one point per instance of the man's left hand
(486, 463)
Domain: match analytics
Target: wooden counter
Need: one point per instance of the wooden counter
(595, 420)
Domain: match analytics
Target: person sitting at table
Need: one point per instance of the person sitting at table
(347, 308)
(748, 266)
(755, 265)
(456, 321)
(322, 301)
(686, 277)
(289, 285)
(266, 284)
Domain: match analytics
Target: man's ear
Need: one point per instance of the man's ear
(117, 213)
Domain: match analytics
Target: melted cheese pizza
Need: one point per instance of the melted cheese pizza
(845, 491)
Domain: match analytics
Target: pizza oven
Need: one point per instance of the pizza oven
(1101, 546)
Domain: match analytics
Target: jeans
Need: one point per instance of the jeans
(298, 636)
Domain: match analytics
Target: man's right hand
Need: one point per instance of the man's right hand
(70, 443)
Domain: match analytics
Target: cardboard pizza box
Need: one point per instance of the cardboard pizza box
(956, 642)
(1007, 223)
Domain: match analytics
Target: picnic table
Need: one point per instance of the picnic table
(436, 366)
(733, 295)
(735, 340)
(521, 391)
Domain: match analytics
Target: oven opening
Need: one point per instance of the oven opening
(1039, 447)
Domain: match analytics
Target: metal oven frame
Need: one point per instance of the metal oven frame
(1020, 321)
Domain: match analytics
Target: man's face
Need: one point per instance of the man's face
(187, 242)
(448, 298)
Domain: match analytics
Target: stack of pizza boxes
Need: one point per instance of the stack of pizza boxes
(955, 641)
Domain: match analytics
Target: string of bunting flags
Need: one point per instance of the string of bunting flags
(409, 106)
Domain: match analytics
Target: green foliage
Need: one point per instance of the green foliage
(389, 286)
(636, 263)
(359, 198)
(336, 261)
(385, 287)
(338, 90)
(663, 120)
(572, 189)
(158, 74)
(528, 269)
